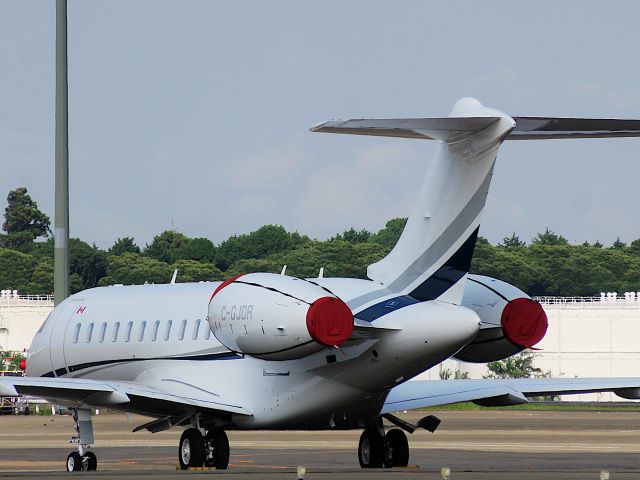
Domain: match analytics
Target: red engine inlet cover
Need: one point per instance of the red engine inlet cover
(524, 322)
(329, 321)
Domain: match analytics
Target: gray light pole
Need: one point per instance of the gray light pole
(61, 220)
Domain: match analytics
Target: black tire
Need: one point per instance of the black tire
(398, 446)
(91, 461)
(74, 462)
(191, 449)
(216, 449)
(371, 451)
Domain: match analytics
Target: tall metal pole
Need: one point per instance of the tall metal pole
(61, 220)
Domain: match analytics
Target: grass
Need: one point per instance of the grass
(549, 406)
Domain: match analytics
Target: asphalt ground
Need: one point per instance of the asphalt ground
(474, 445)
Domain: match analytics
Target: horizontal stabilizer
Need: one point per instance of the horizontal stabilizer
(542, 128)
(450, 129)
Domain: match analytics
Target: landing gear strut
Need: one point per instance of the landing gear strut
(82, 459)
(197, 450)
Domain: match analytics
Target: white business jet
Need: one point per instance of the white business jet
(270, 351)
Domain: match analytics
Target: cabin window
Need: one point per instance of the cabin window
(196, 327)
(129, 329)
(183, 327)
(89, 332)
(207, 331)
(103, 331)
(116, 329)
(76, 333)
(154, 332)
(143, 326)
(167, 331)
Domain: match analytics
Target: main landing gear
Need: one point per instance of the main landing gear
(378, 449)
(82, 459)
(198, 450)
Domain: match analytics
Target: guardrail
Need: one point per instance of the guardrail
(11, 300)
(596, 302)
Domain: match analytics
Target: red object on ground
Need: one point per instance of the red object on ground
(524, 322)
(329, 321)
(23, 364)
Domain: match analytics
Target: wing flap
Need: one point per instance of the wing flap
(430, 393)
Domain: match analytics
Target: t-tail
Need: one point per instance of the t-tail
(432, 257)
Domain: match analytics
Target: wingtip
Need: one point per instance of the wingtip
(317, 126)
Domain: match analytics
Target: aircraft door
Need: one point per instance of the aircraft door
(62, 328)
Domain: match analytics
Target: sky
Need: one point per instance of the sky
(195, 115)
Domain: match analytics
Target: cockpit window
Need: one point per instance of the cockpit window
(45, 322)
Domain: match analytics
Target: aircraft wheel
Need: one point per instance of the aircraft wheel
(398, 448)
(90, 462)
(74, 462)
(191, 449)
(371, 451)
(216, 446)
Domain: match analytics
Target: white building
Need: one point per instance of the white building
(587, 337)
(20, 318)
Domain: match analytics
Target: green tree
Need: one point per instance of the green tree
(390, 234)
(130, 268)
(457, 374)
(194, 271)
(41, 278)
(200, 249)
(517, 366)
(512, 242)
(353, 236)
(549, 238)
(338, 258)
(124, 245)
(86, 261)
(167, 246)
(618, 244)
(267, 240)
(16, 269)
(23, 221)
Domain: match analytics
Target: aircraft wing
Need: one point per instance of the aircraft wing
(150, 399)
(500, 392)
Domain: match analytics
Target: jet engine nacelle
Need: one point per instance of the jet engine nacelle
(277, 317)
(511, 320)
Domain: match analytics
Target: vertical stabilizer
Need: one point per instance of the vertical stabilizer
(434, 252)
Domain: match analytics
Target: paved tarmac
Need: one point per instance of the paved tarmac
(475, 445)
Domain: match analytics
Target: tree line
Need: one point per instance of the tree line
(548, 265)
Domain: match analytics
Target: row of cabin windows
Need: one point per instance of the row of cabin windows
(155, 331)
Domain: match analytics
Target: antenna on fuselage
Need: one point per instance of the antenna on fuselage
(321, 273)
(173, 279)
(284, 269)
